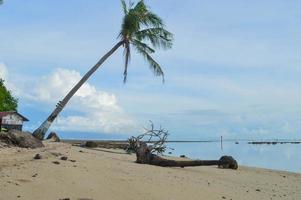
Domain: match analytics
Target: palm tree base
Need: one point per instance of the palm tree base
(40, 132)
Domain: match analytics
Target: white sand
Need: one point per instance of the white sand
(115, 176)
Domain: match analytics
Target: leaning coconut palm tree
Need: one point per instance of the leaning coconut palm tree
(141, 30)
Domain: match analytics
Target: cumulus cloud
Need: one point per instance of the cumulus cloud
(55, 86)
(97, 111)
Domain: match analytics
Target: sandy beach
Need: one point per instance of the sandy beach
(114, 175)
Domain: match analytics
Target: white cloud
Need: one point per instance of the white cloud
(98, 111)
(6, 77)
(3, 71)
(228, 49)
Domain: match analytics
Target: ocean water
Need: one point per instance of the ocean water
(285, 157)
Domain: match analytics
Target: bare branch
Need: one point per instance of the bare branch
(153, 141)
(156, 138)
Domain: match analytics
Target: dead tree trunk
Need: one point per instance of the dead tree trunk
(144, 156)
(189, 163)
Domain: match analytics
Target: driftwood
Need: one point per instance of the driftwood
(149, 154)
(144, 156)
(20, 139)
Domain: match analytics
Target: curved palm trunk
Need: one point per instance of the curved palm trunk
(41, 131)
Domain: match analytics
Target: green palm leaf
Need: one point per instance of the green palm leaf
(124, 7)
(154, 66)
(144, 46)
(139, 27)
(159, 37)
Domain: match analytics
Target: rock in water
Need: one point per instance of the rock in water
(20, 139)
(53, 137)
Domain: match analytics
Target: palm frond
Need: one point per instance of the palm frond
(124, 7)
(154, 66)
(144, 46)
(140, 7)
(127, 56)
(131, 4)
(154, 34)
(146, 17)
(159, 37)
(129, 25)
(151, 19)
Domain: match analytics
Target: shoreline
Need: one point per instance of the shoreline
(99, 174)
(249, 141)
(121, 144)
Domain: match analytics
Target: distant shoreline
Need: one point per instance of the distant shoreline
(257, 142)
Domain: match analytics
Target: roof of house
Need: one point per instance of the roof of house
(2, 114)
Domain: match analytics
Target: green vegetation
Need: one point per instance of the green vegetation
(140, 26)
(7, 101)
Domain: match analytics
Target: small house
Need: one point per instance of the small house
(11, 120)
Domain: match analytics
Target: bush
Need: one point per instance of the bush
(7, 101)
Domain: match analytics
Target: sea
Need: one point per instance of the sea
(284, 157)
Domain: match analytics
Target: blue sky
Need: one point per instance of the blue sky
(234, 69)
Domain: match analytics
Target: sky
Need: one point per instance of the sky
(234, 69)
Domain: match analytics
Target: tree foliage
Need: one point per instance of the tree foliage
(7, 101)
(145, 31)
